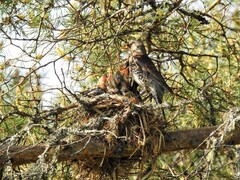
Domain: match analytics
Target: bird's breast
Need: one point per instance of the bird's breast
(138, 79)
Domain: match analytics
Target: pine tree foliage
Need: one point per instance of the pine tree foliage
(51, 51)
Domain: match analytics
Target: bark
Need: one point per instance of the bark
(94, 147)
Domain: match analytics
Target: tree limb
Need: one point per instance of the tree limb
(92, 147)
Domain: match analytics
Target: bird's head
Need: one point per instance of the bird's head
(137, 48)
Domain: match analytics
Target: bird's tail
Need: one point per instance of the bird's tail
(161, 82)
(157, 93)
(168, 89)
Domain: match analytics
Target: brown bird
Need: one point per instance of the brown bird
(112, 83)
(101, 87)
(102, 82)
(144, 72)
(123, 77)
(124, 69)
(120, 83)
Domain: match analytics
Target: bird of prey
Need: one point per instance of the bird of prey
(144, 72)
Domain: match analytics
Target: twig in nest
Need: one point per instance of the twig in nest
(89, 139)
(143, 131)
(102, 106)
(98, 111)
(104, 155)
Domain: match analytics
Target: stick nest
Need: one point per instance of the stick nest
(128, 124)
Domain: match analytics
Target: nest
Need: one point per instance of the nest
(129, 123)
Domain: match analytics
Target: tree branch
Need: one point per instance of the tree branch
(94, 147)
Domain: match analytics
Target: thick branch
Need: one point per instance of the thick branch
(93, 147)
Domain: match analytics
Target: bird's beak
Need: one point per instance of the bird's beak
(125, 46)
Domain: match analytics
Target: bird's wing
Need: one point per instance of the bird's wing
(148, 67)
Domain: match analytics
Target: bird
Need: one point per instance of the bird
(111, 85)
(102, 82)
(100, 89)
(144, 73)
(122, 75)
(121, 83)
